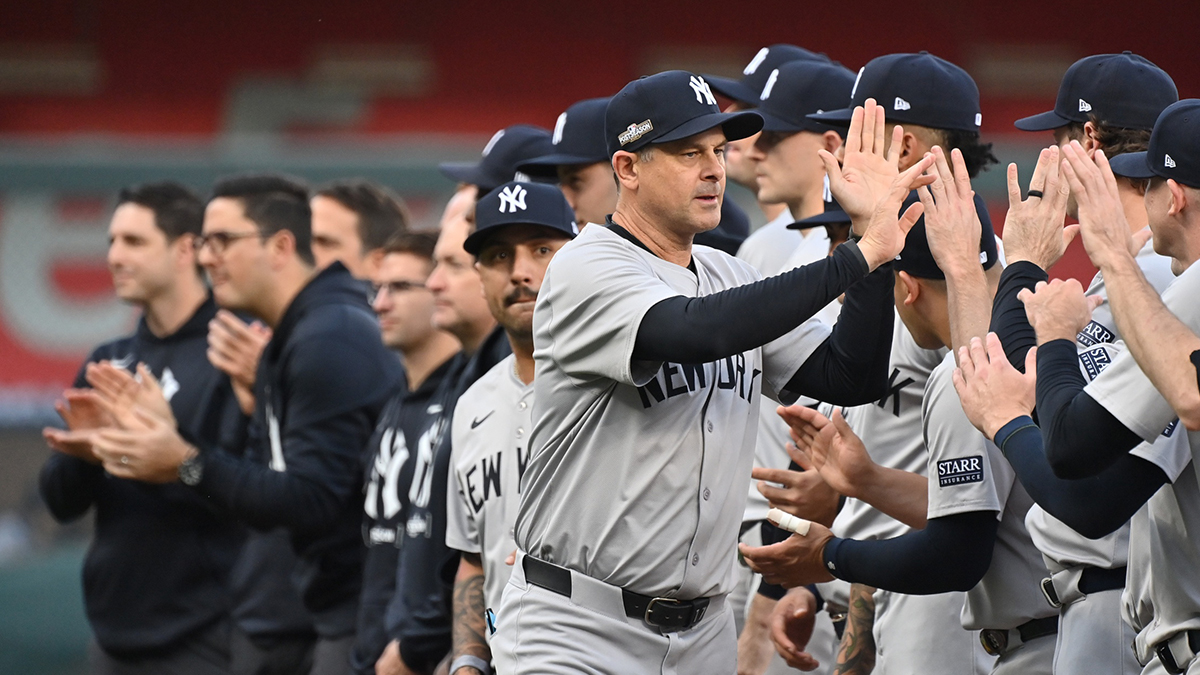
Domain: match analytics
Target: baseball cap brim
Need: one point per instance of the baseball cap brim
(474, 243)
(1132, 165)
(775, 123)
(550, 162)
(736, 126)
(827, 218)
(1042, 122)
(732, 89)
(834, 118)
(463, 172)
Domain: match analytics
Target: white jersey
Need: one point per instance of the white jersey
(1174, 555)
(891, 431)
(968, 473)
(490, 434)
(639, 469)
(769, 451)
(768, 247)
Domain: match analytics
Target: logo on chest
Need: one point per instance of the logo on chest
(960, 471)
(682, 379)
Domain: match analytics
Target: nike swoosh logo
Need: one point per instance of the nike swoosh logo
(477, 422)
(122, 363)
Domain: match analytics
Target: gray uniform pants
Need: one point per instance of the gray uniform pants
(924, 634)
(1031, 658)
(1093, 639)
(540, 631)
(206, 653)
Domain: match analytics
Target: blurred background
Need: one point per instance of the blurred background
(98, 94)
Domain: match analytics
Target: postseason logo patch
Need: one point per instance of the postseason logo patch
(634, 132)
(959, 471)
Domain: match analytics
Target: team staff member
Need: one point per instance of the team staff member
(405, 308)
(504, 153)
(148, 617)
(418, 617)
(579, 160)
(974, 538)
(768, 247)
(620, 308)
(518, 229)
(1121, 407)
(1108, 103)
(321, 383)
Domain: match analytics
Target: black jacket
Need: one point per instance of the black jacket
(157, 569)
(322, 381)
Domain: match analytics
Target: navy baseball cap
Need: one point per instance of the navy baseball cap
(797, 88)
(917, 259)
(834, 215)
(518, 203)
(1174, 150)
(755, 74)
(667, 107)
(578, 139)
(919, 89)
(507, 149)
(729, 234)
(1124, 90)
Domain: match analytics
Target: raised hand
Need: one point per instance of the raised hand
(119, 393)
(1106, 233)
(833, 449)
(1034, 227)
(1058, 310)
(795, 561)
(992, 392)
(148, 449)
(803, 493)
(234, 348)
(951, 222)
(84, 415)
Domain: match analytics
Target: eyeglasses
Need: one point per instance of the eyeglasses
(219, 241)
(393, 287)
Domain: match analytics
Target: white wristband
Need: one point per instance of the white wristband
(469, 661)
(786, 521)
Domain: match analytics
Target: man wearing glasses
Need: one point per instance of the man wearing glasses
(321, 383)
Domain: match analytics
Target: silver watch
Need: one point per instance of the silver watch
(191, 470)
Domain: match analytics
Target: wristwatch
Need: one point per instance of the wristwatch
(191, 470)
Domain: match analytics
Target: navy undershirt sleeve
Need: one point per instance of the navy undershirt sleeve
(952, 553)
(1093, 507)
(1009, 321)
(1081, 438)
(705, 329)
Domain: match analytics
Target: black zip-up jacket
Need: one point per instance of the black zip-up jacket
(395, 450)
(157, 569)
(322, 381)
(419, 615)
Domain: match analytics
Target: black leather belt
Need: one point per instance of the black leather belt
(668, 614)
(995, 641)
(1163, 651)
(1091, 580)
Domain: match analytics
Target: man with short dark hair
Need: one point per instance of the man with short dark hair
(147, 616)
(352, 223)
(321, 383)
(580, 161)
(405, 307)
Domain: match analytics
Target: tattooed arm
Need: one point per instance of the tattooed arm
(856, 656)
(470, 622)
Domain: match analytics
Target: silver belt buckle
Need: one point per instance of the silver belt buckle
(650, 607)
(1051, 593)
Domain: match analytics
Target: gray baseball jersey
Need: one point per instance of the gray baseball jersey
(768, 247)
(968, 473)
(639, 471)
(1129, 396)
(891, 431)
(490, 435)
(769, 450)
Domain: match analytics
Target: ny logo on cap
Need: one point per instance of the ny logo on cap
(512, 199)
(766, 92)
(1168, 162)
(901, 104)
(558, 128)
(1084, 106)
(704, 95)
(756, 61)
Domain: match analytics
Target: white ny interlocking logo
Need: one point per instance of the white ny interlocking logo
(703, 93)
(558, 128)
(512, 199)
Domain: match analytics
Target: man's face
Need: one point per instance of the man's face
(139, 257)
(682, 184)
(335, 236)
(512, 264)
(234, 254)
(590, 190)
(459, 306)
(403, 304)
(1169, 237)
(738, 165)
(788, 167)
